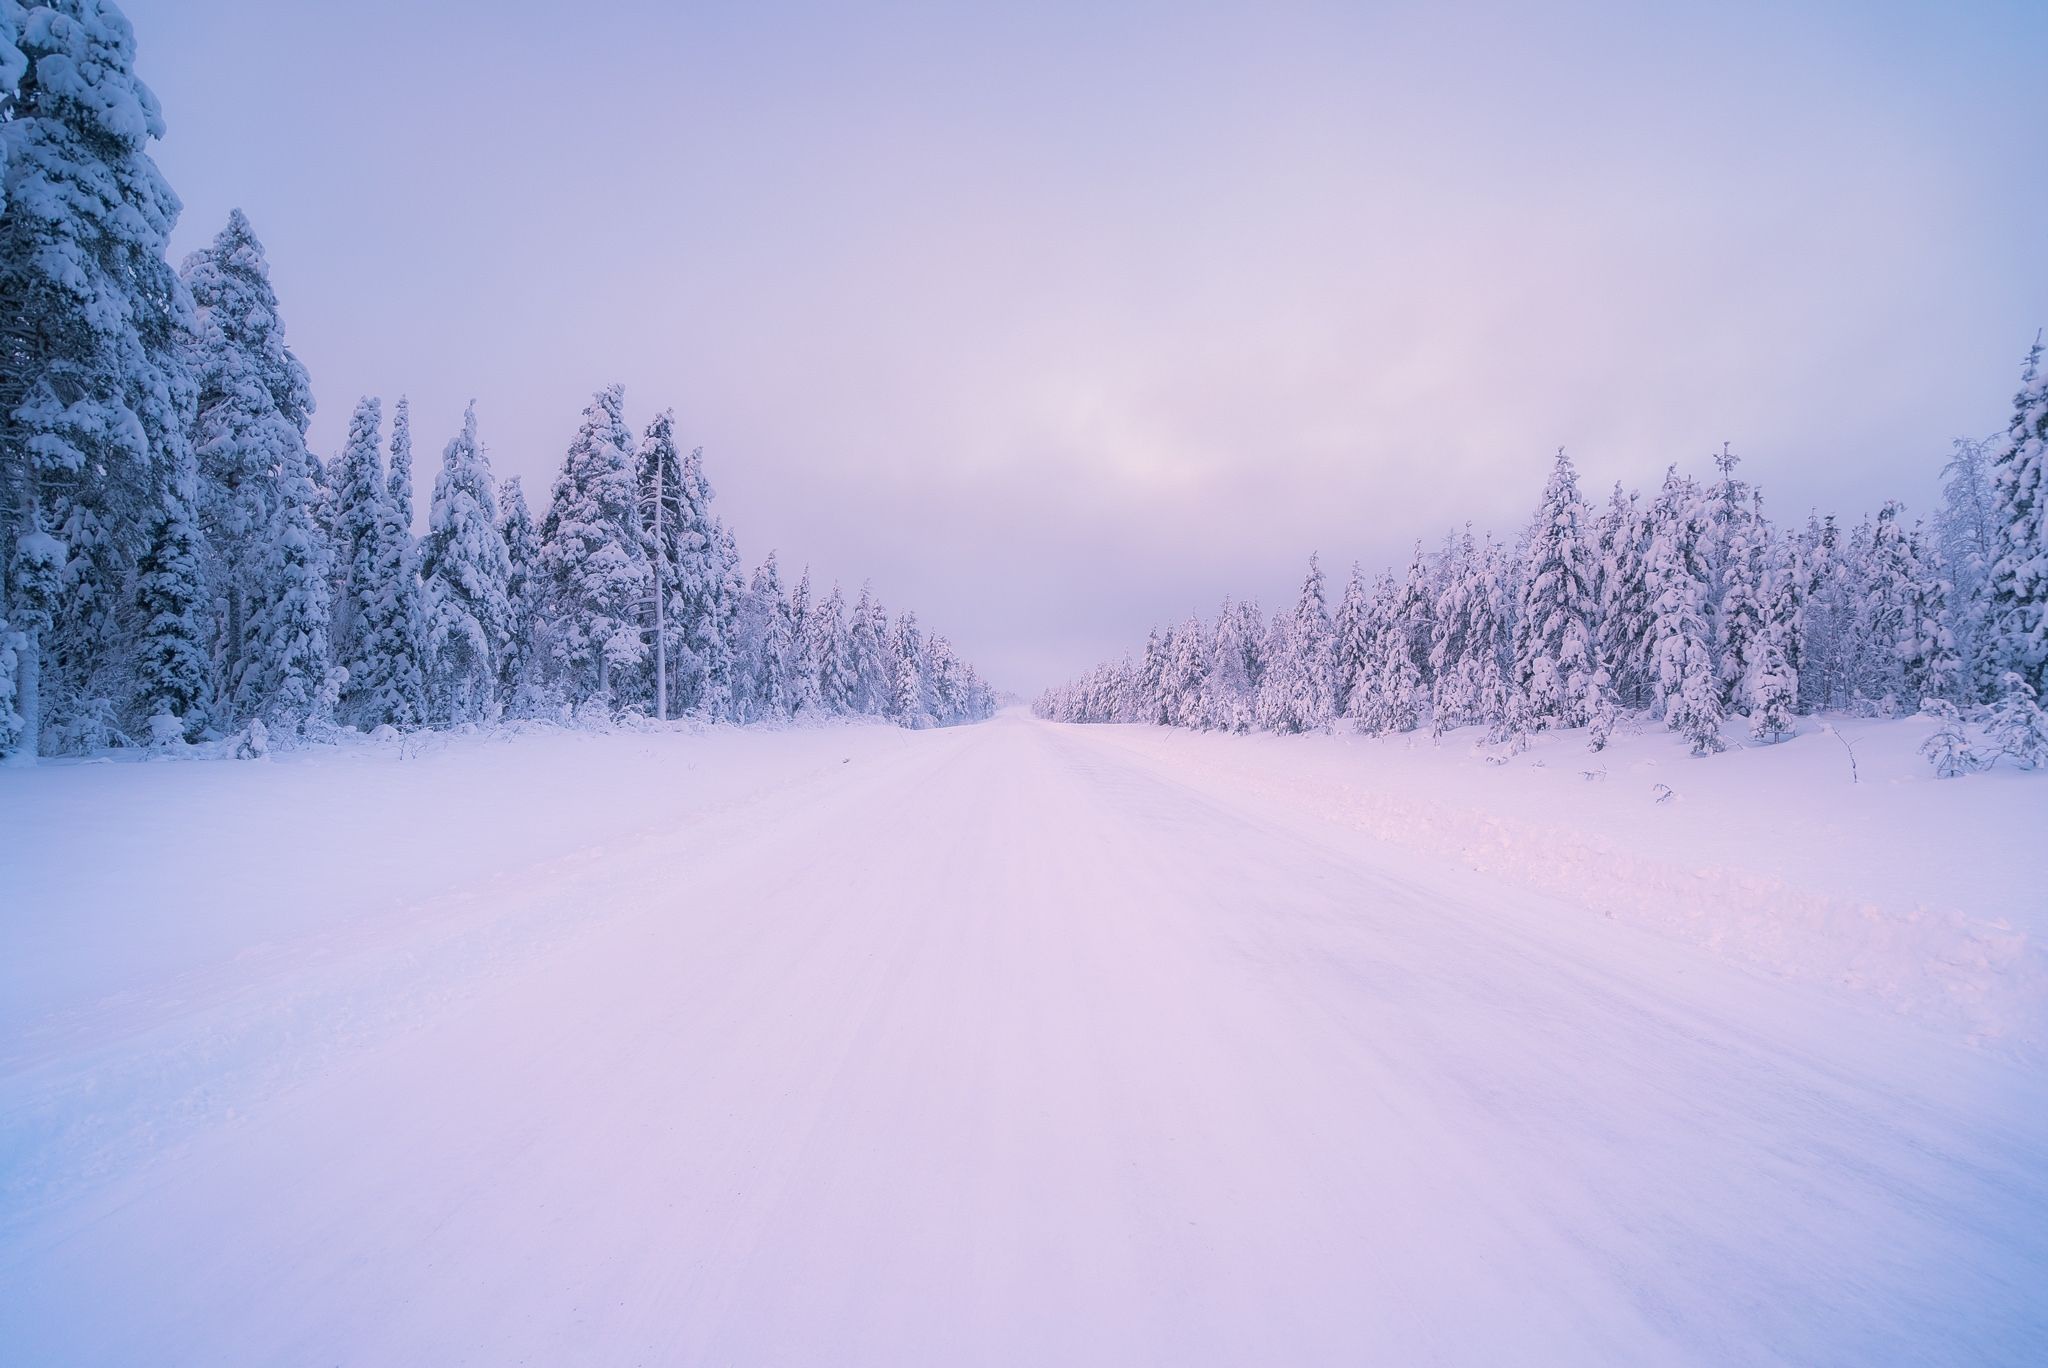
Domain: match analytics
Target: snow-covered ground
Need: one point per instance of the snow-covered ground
(1023, 1043)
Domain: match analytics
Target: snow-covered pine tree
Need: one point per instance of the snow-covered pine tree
(767, 647)
(594, 557)
(1739, 622)
(1185, 677)
(400, 479)
(1688, 693)
(1351, 650)
(521, 679)
(1623, 638)
(255, 402)
(173, 664)
(1948, 749)
(725, 664)
(1771, 683)
(1929, 659)
(95, 397)
(287, 677)
(1153, 678)
(836, 680)
(1470, 647)
(806, 666)
(2017, 617)
(464, 569)
(911, 702)
(1827, 635)
(2016, 724)
(359, 498)
(1228, 695)
(1415, 614)
(669, 523)
(1299, 693)
(391, 689)
(1965, 539)
(1554, 665)
(872, 677)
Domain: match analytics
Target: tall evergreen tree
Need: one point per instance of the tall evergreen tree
(519, 675)
(173, 666)
(2017, 615)
(286, 656)
(836, 683)
(255, 403)
(1966, 540)
(1299, 693)
(594, 555)
(95, 397)
(464, 570)
(1554, 665)
(400, 479)
(1623, 636)
(359, 496)
(1688, 693)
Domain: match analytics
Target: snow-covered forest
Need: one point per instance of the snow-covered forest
(1688, 606)
(177, 567)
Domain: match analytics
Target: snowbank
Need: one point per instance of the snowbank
(1928, 895)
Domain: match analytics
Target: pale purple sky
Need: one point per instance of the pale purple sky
(1060, 321)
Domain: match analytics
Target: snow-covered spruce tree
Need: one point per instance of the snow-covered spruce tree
(2016, 724)
(1827, 630)
(1688, 693)
(287, 676)
(1152, 676)
(1948, 749)
(829, 648)
(1554, 665)
(1415, 614)
(255, 402)
(1929, 659)
(725, 663)
(1770, 685)
(806, 666)
(400, 479)
(911, 704)
(387, 684)
(359, 498)
(95, 398)
(1470, 650)
(872, 681)
(1391, 697)
(2016, 629)
(1352, 648)
(670, 525)
(520, 677)
(1964, 536)
(1299, 694)
(1185, 678)
(1229, 692)
(594, 558)
(173, 668)
(1623, 592)
(464, 570)
(1739, 622)
(767, 647)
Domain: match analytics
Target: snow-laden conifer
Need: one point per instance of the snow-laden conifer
(95, 396)
(1554, 666)
(464, 570)
(594, 557)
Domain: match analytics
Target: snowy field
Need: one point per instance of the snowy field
(1024, 1043)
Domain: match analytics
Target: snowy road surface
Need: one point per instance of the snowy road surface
(1006, 1044)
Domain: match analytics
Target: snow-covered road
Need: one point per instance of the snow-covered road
(1005, 1044)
